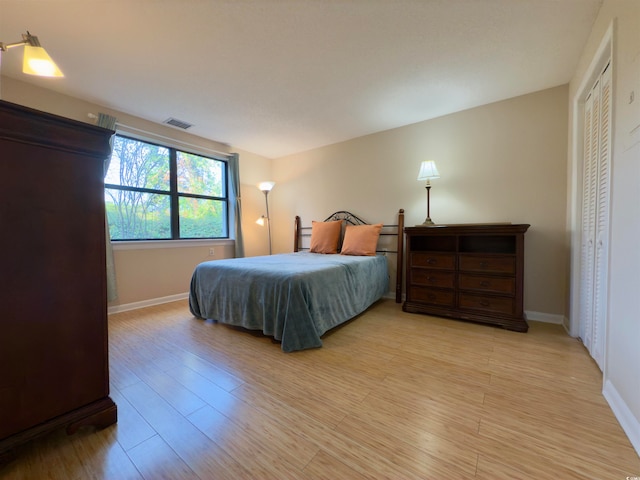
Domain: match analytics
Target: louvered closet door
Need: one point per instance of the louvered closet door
(588, 221)
(595, 217)
(600, 291)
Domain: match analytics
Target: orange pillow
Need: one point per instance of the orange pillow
(325, 236)
(361, 239)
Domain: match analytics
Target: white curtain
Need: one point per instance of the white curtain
(107, 121)
(234, 195)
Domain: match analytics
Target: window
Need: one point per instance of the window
(153, 192)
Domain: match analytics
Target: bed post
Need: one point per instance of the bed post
(399, 256)
(296, 234)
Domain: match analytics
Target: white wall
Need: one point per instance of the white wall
(622, 356)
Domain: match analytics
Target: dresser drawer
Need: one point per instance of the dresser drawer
(485, 303)
(432, 296)
(444, 261)
(432, 278)
(482, 283)
(488, 263)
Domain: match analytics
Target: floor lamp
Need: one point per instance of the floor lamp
(265, 187)
(428, 171)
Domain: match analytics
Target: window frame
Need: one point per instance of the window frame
(174, 195)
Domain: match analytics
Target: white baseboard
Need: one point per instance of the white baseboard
(535, 316)
(629, 423)
(147, 303)
(545, 317)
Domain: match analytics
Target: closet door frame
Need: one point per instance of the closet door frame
(603, 220)
(602, 57)
(595, 216)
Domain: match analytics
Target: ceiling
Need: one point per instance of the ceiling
(276, 77)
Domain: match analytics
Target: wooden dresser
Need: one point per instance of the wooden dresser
(54, 369)
(468, 272)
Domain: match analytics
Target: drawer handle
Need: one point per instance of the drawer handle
(431, 261)
(484, 264)
(484, 303)
(432, 279)
(485, 283)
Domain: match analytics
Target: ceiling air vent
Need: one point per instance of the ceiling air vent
(174, 122)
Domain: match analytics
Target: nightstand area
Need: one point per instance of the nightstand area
(468, 272)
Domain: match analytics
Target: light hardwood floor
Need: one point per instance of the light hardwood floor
(390, 395)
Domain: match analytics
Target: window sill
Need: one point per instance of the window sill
(150, 244)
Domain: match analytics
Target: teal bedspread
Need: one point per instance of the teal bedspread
(293, 297)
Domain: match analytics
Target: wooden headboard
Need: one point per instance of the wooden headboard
(386, 244)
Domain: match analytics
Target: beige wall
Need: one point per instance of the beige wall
(146, 274)
(253, 170)
(151, 273)
(622, 354)
(503, 162)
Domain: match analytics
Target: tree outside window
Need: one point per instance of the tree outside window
(154, 192)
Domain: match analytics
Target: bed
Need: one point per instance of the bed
(298, 297)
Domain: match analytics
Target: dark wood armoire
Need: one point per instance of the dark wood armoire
(54, 369)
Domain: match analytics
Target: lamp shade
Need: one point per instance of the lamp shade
(428, 170)
(36, 61)
(266, 186)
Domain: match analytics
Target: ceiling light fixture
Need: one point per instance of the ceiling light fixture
(36, 60)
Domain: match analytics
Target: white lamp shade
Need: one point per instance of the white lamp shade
(428, 170)
(36, 61)
(266, 186)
